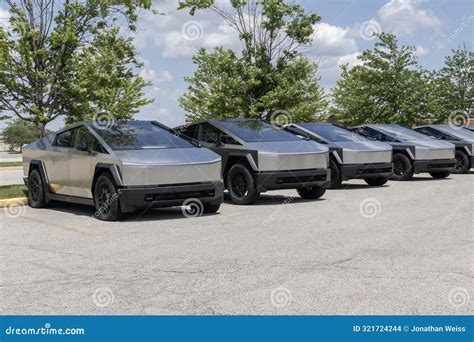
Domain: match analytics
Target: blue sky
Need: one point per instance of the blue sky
(166, 43)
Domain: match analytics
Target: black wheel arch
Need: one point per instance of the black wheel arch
(36, 164)
(112, 169)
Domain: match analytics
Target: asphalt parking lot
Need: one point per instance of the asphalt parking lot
(404, 248)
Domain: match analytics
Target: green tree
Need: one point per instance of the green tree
(48, 54)
(388, 86)
(269, 75)
(18, 133)
(452, 86)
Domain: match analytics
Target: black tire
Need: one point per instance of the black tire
(402, 168)
(314, 192)
(379, 181)
(106, 199)
(210, 208)
(241, 185)
(462, 163)
(336, 175)
(36, 195)
(440, 174)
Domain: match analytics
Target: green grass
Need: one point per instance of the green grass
(14, 163)
(12, 191)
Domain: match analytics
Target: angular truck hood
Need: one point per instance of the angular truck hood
(285, 147)
(168, 156)
(364, 146)
(291, 155)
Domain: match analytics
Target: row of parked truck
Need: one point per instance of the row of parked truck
(128, 165)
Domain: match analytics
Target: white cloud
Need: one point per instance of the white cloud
(4, 18)
(350, 59)
(420, 50)
(405, 16)
(178, 35)
(150, 75)
(330, 40)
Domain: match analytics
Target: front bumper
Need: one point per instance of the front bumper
(435, 165)
(354, 171)
(132, 198)
(292, 179)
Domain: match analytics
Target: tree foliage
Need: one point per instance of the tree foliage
(18, 133)
(269, 75)
(451, 88)
(388, 86)
(65, 58)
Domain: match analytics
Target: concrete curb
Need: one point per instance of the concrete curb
(13, 202)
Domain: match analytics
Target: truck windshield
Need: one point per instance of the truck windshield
(402, 133)
(139, 135)
(254, 130)
(332, 133)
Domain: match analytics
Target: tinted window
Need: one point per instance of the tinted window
(64, 139)
(256, 130)
(85, 138)
(189, 131)
(332, 132)
(139, 135)
(211, 134)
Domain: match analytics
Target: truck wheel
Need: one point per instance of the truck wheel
(211, 208)
(36, 195)
(336, 177)
(106, 199)
(241, 185)
(379, 181)
(314, 192)
(440, 174)
(402, 167)
(462, 163)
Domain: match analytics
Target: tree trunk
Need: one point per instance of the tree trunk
(41, 130)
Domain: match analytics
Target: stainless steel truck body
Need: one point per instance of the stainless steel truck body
(121, 167)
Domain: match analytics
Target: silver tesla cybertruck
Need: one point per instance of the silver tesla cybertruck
(351, 155)
(413, 152)
(122, 167)
(461, 138)
(257, 156)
